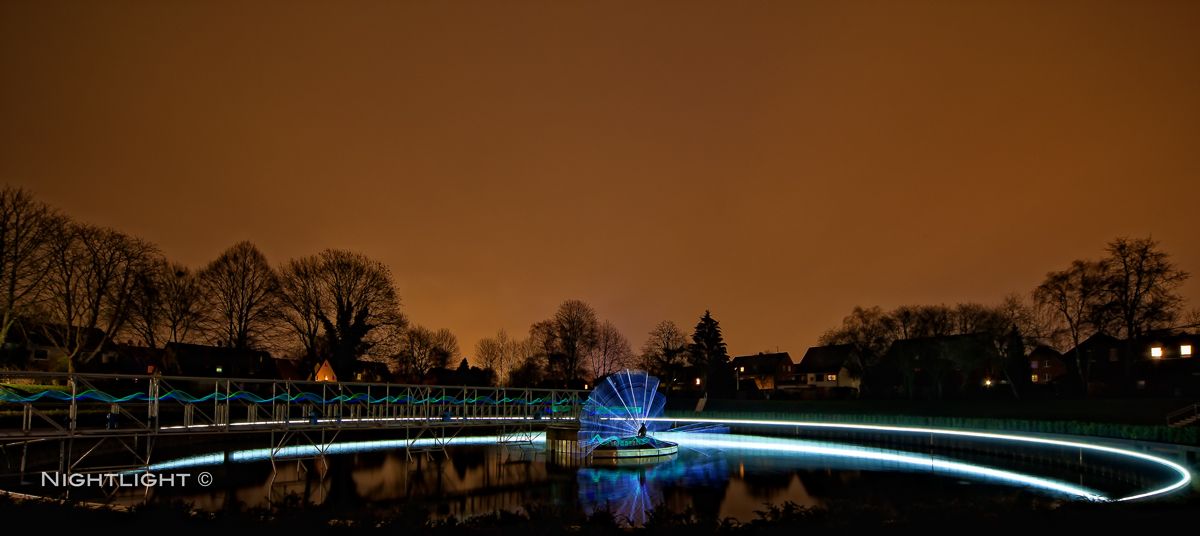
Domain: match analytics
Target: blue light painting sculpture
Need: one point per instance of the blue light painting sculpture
(616, 421)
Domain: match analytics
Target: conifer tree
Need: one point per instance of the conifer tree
(708, 351)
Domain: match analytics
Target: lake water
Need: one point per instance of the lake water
(730, 475)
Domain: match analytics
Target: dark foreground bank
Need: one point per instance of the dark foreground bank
(1022, 514)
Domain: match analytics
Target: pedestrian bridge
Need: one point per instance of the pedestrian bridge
(135, 411)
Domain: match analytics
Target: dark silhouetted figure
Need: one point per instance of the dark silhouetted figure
(642, 430)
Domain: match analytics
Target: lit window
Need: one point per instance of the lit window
(1035, 377)
(831, 377)
(697, 381)
(743, 369)
(1185, 349)
(1033, 364)
(1156, 352)
(218, 370)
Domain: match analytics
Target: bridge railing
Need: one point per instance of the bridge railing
(67, 405)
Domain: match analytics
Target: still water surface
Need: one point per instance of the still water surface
(732, 476)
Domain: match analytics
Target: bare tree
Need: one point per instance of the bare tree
(343, 304)
(1191, 320)
(359, 298)
(27, 232)
(500, 354)
(870, 332)
(241, 298)
(664, 353)
(610, 353)
(446, 343)
(422, 350)
(488, 353)
(94, 274)
(1141, 289)
(1142, 284)
(574, 332)
(529, 359)
(167, 305)
(1076, 295)
(300, 301)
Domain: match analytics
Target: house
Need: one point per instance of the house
(826, 366)
(371, 372)
(1161, 363)
(1167, 347)
(324, 373)
(290, 370)
(769, 371)
(131, 359)
(1046, 365)
(218, 362)
(39, 347)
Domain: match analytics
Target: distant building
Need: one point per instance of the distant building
(1156, 363)
(1046, 365)
(131, 359)
(218, 362)
(1167, 347)
(32, 347)
(324, 373)
(371, 372)
(825, 366)
(769, 371)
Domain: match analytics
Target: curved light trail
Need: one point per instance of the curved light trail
(1184, 474)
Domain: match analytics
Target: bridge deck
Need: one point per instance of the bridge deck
(95, 407)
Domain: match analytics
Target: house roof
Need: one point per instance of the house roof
(761, 363)
(1044, 352)
(825, 359)
(139, 360)
(1170, 344)
(290, 370)
(213, 354)
(200, 360)
(45, 334)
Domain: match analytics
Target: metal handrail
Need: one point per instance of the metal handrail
(336, 404)
(39, 374)
(1194, 409)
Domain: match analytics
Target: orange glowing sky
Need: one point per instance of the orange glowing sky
(775, 162)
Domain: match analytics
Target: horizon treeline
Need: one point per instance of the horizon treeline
(1129, 293)
(80, 287)
(574, 346)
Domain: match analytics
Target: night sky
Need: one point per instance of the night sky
(775, 162)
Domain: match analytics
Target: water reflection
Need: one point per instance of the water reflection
(726, 476)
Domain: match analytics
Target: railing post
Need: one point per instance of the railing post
(74, 405)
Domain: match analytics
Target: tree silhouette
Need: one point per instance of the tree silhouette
(1076, 295)
(27, 231)
(665, 353)
(93, 277)
(241, 299)
(708, 351)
